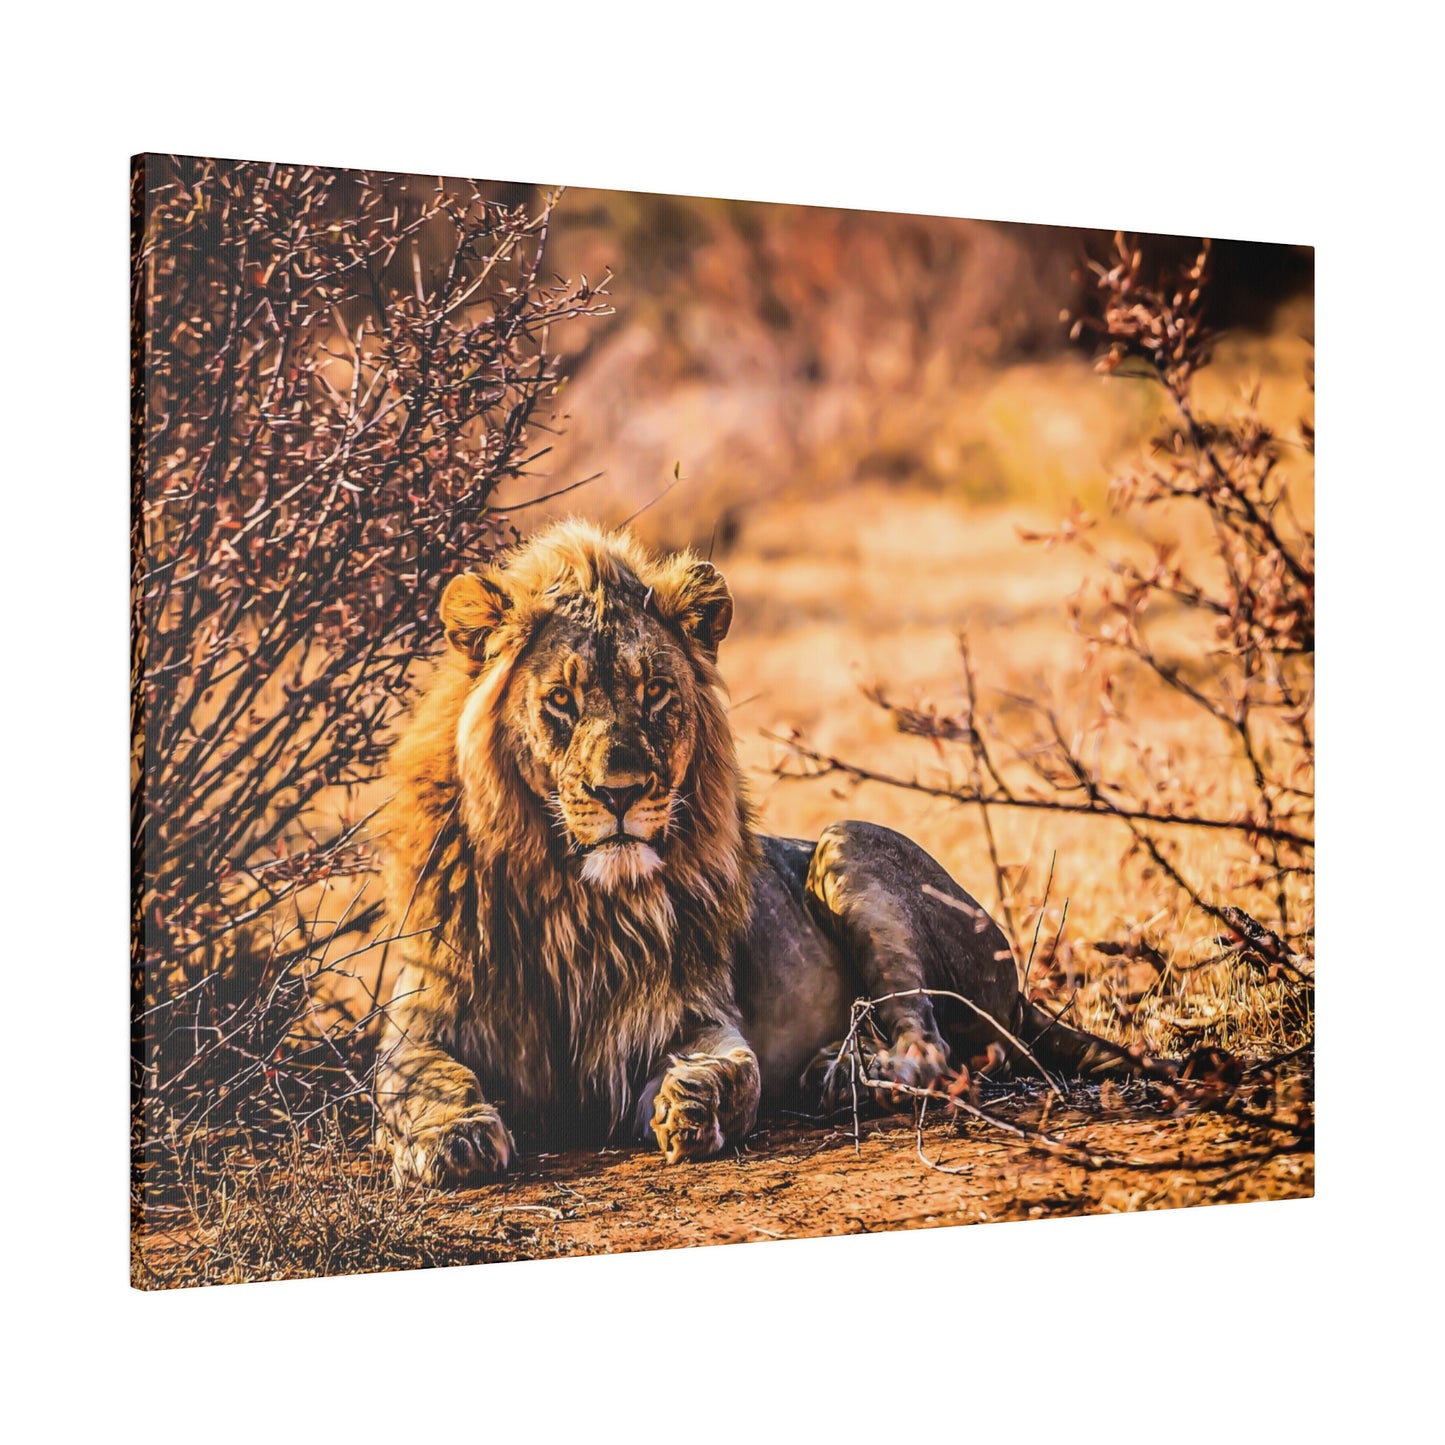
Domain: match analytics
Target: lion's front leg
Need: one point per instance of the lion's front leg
(440, 1129)
(707, 1097)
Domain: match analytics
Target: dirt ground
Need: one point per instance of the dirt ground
(797, 1180)
(1111, 1149)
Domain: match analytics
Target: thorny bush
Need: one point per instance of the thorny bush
(1239, 614)
(332, 374)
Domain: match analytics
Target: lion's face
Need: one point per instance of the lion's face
(591, 674)
(601, 723)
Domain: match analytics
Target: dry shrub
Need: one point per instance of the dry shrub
(333, 372)
(1209, 627)
(311, 1208)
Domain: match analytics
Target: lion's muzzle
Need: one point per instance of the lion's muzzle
(607, 812)
(618, 826)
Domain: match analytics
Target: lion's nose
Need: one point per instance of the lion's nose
(618, 800)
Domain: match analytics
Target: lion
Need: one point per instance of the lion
(596, 939)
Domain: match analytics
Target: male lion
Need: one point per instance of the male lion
(594, 935)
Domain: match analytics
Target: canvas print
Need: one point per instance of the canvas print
(664, 721)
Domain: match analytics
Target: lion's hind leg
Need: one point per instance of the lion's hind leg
(866, 888)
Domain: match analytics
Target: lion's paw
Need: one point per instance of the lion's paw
(704, 1102)
(912, 1060)
(476, 1147)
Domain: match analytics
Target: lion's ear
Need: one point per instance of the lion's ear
(472, 605)
(698, 602)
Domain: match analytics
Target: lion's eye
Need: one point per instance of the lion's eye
(656, 692)
(559, 699)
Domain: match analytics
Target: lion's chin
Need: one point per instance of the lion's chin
(620, 865)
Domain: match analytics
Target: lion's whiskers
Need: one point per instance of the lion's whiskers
(676, 804)
(559, 822)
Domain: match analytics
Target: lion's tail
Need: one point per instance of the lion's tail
(1073, 1052)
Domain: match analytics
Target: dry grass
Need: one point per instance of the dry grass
(318, 1206)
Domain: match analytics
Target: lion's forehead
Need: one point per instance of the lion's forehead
(613, 654)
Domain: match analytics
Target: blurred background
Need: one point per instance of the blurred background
(780, 352)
